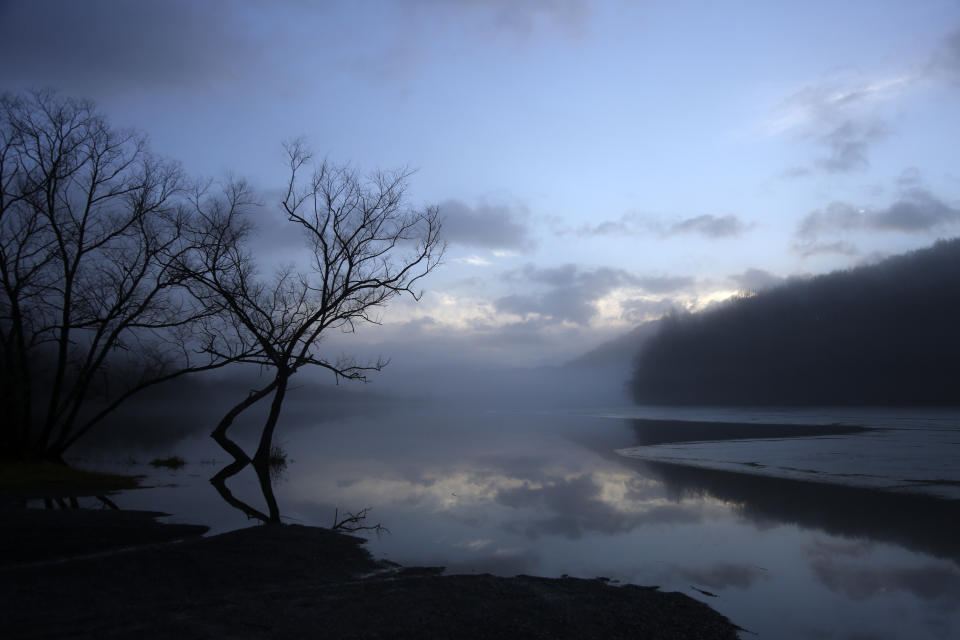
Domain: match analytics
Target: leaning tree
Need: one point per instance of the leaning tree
(91, 233)
(365, 244)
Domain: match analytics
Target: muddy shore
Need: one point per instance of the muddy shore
(117, 574)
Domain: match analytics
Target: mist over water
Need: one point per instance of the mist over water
(542, 483)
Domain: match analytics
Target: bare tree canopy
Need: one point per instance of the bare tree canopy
(117, 274)
(90, 228)
(366, 246)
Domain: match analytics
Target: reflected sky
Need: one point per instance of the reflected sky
(545, 494)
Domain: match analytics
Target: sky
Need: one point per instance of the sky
(597, 163)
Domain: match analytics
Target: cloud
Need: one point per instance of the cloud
(640, 309)
(843, 117)
(932, 583)
(664, 284)
(848, 145)
(556, 305)
(847, 115)
(97, 44)
(572, 292)
(490, 226)
(756, 279)
(831, 101)
(474, 261)
(710, 226)
(634, 224)
(810, 248)
(909, 177)
(98, 47)
(946, 60)
(916, 210)
(517, 18)
(629, 224)
(578, 508)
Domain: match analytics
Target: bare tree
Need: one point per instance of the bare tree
(366, 246)
(90, 228)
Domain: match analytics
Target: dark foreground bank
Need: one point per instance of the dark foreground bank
(291, 581)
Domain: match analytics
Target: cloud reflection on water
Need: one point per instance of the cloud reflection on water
(723, 575)
(856, 575)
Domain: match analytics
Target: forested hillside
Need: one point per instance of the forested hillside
(886, 334)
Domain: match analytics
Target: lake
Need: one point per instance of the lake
(847, 535)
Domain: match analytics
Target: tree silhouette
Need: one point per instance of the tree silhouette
(366, 246)
(90, 232)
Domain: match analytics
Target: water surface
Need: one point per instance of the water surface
(553, 493)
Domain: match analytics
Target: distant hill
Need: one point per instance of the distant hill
(886, 334)
(620, 352)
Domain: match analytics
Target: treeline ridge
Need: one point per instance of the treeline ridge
(885, 334)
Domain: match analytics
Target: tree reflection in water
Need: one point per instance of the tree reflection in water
(264, 469)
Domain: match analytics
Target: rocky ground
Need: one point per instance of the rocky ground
(117, 574)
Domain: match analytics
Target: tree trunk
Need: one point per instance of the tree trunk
(220, 432)
(266, 437)
(266, 486)
(219, 481)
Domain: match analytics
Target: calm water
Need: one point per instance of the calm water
(557, 493)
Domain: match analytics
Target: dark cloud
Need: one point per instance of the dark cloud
(634, 224)
(416, 23)
(519, 18)
(601, 280)
(555, 304)
(946, 60)
(848, 145)
(837, 216)
(756, 279)
(489, 226)
(664, 284)
(809, 248)
(100, 44)
(573, 291)
(916, 210)
(909, 177)
(710, 226)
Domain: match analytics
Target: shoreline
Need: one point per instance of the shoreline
(651, 431)
(128, 575)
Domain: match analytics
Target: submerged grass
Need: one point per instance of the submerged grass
(51, 476)
(277, 462)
